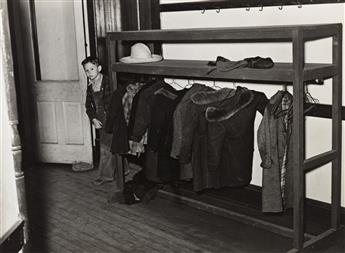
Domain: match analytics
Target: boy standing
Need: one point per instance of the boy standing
(98, 96)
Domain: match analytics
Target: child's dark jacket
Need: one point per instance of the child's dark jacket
(90, 105)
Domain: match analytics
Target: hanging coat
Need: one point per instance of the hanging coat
(182, 130)
(274, 141)
(160, 134)
(116, 124)
(229, 131)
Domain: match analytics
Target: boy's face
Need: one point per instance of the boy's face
(92, 70)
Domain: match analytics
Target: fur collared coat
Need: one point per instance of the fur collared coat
(224, 140)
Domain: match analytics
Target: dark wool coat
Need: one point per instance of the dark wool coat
(116, 123)
(183, 129)
(224, 143)
(142, 118)
(90, 105)
(135, 106)
(181, 121)
(192, 114)
(272, 141)
(160, 133)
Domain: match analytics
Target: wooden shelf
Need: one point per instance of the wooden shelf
(234, 34)
(281, 72)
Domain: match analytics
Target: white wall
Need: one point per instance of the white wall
(318, 182)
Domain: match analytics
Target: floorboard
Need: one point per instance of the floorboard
(67, 213)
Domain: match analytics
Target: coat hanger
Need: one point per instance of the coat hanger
(309, 100)
(173, 83)
(189, 84)
(284, 87)
(308, 97)
(214, 86)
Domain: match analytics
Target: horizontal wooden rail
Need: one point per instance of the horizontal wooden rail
(318, 160)
(317, 240)
(246, 219)
(324, 111)
(278, 74)
(233, 34)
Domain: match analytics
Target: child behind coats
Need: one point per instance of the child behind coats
(98, 96)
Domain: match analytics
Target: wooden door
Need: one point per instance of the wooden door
(62, 124)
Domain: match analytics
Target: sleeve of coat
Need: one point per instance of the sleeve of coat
(191, 122)
(107, 94)
(113, 110)
(263, 136)
(142, 118)
(262, 101)
(177, 134)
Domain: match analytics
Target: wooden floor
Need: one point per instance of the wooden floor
(69, 214)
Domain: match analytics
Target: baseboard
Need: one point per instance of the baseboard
(247, 201)
(13, 240)
(315, 208)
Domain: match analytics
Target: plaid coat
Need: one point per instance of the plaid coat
(274, 140)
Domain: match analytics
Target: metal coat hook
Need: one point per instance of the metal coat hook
(299, 5)
(261, 8)
(248, 8)
(189, 83)
(280, 7)
(203, 11)
(218, 10)
(215, 86)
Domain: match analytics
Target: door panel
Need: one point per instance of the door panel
(72, 115)
(64, 132)
(47, 122)
(63, 126)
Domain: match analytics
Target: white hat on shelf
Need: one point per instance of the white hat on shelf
(140, 53)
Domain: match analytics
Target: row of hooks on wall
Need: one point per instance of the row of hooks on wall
(219, 5)
(261, 8)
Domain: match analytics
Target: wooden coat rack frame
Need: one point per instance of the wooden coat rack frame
(295, 74)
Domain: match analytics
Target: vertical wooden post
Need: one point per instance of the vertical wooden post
(336, 129)
(112, 56)
(11, 99)
(121, 164)
(156, 24)
(298, 138)
(129, 15)
(149, 14)
(118, 160)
